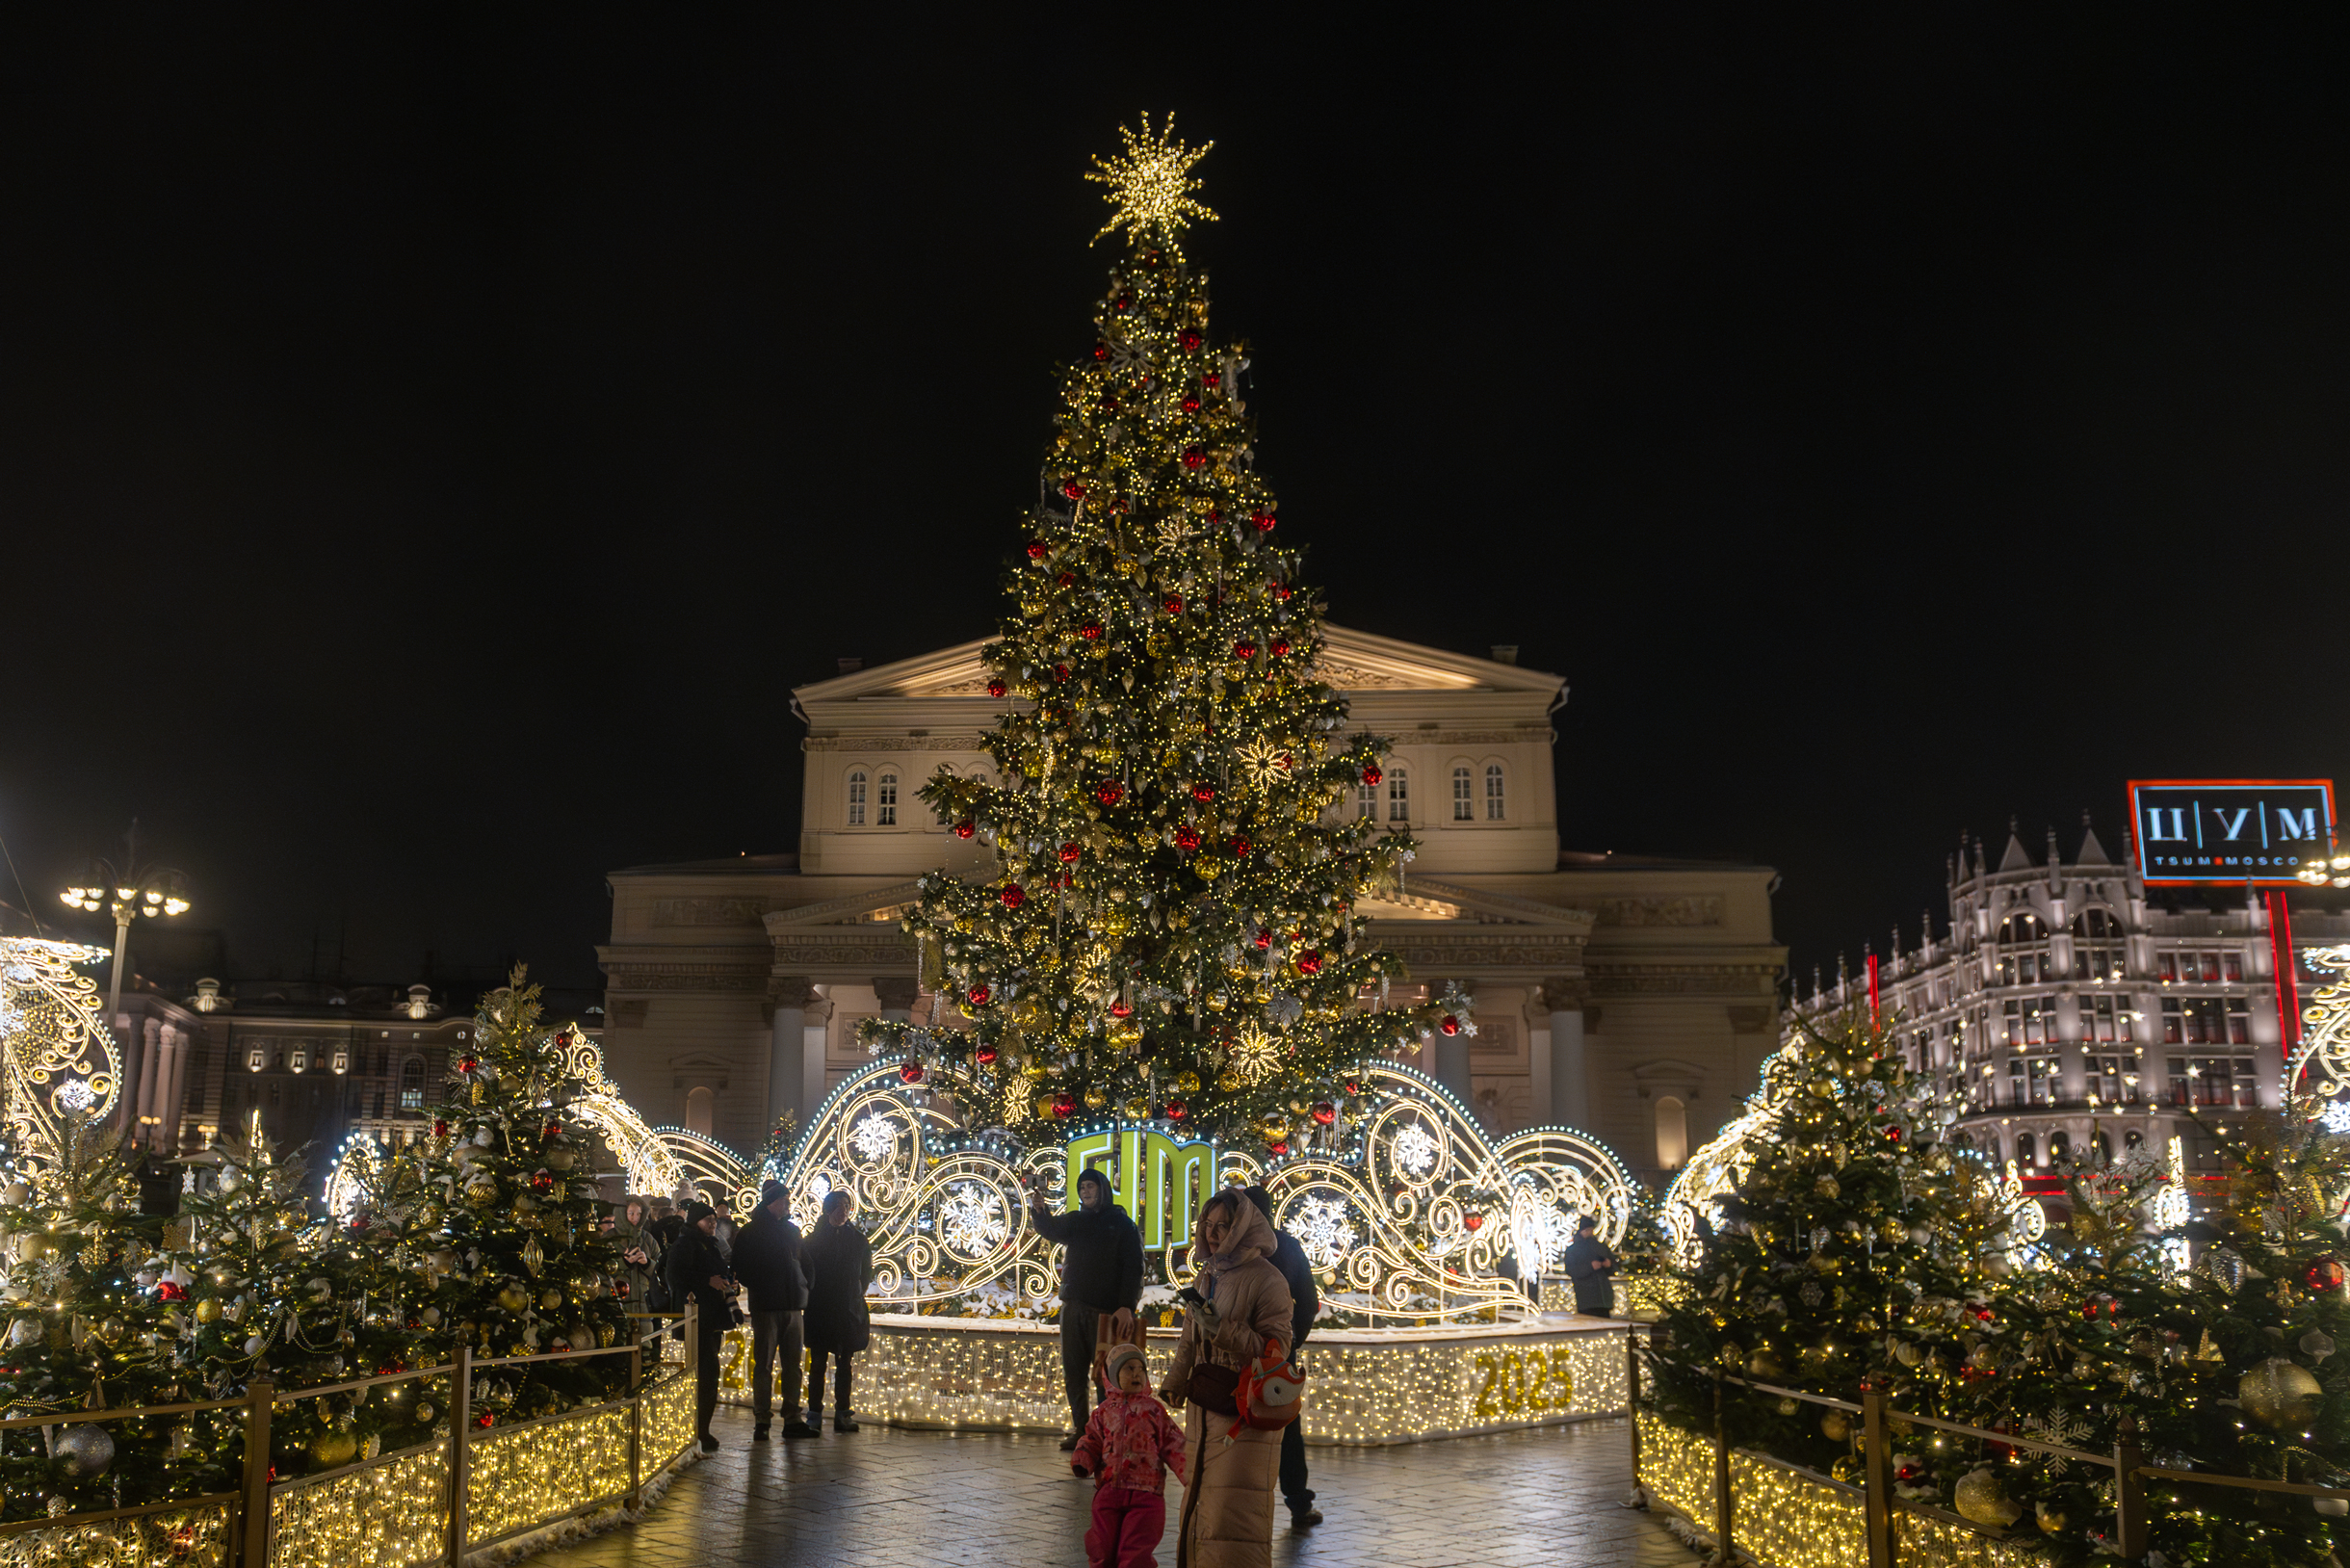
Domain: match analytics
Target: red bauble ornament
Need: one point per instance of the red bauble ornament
(1243, 650)
(1101, 352)
(1110, 792)
(1371, 774)
(1473, 1220)
(1092, 631)
(979, 995)
(467, 1064)
(1120, 1009)
(1069, 852)
(965, 829)
(1176, 1110)
(1449, 1024)
(984, 1056)
(1351, 1088)
(550, 1132)
(1074, 489)
(171, 1291)
(543, 1180)
(1060, 672)
(1894, 1132)
(440, 1129)
(1324, 1112)
(1191, 340)
(1013, 895)
(1309, 962)
(1036, 550)
(1281, 592)
(1190, 403)
(1186, 839)
(1281, 647)
(1065, 580)
(1194, 457)
(1064, 1104)
(1203, 791)
(1277, 1149)
(1264, 939)
(910, 1072)
(1239, 849)
(1124, 302)
(484, 1419)
(1209, 379)
(996, 689)
(1263, 521)
(2325, 1274)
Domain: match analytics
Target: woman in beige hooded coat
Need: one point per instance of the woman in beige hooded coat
(1227, 1518)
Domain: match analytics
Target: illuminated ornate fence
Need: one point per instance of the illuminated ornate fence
(431, 1504)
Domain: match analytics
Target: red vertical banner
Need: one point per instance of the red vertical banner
(2286, 967)
(1872, 991)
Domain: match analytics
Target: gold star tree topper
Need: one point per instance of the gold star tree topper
(1151, 185)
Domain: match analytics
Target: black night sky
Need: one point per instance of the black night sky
(430, 455)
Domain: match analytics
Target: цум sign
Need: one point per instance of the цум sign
(2229, 830)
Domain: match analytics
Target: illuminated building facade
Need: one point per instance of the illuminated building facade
(2066, 1008)
(1632, 998)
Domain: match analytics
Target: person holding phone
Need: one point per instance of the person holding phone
(1236, 1303)
(1101, 1282)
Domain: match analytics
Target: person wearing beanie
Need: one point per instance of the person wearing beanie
(1101, 1273)
(768, 1261)
(1128, 1445)
(694, 1270)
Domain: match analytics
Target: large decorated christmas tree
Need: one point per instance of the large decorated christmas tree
(1170, 926)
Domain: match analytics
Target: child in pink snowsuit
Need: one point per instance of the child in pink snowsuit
(1129, 1445)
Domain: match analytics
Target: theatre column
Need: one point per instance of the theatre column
(150, 1068)
(896, 993)
(1570, 1099)
(788, 1047)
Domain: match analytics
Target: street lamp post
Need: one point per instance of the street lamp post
(128, 892)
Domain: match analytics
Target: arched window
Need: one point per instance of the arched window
(412, 1084)
(1494, 805)
(2098, 925)
(2060, 1145)
(1672, 1133)
(2133, 1138)
(857, 798)
(1462, 799)
(1399, 797)
(2024, 927)
(885, 799)
(2024, 1154)
(701, 1111)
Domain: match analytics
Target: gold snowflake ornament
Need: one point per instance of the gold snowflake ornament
(1255, 1054)
(1264, 763)
(1151, 185)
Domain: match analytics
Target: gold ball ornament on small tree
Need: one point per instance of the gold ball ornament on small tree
(2280, 1394)
(1983, 1501)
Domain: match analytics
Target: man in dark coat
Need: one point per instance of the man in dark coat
(693, 1270)
(1592, 1266)
(768, 1261)
(1101, 1273)
(1291, 1259)
(840, 1265)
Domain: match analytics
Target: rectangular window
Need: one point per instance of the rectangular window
(2239, 1021)
(2013, 1013)
(2173, 1021)
(1461, 802)
(1493, 793)
(1367, 802)
(856, 800)
(2043, 1074)
(885, 801)
(2235, 966)
(1399, 797)
(2166, 966)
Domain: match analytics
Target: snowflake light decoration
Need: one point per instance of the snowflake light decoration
(973, 1219)
(1151, 185)
(1414, 1149)
(2336, 1116)
(75, 1094)
(1255, 1054)
(874, 1137)
(1264, 762)
(1323, 1229)
(2064, 1430)
(1174, 532)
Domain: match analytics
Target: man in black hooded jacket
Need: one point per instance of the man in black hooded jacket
(1101, 1273)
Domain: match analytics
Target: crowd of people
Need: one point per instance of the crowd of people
(1233, 1375)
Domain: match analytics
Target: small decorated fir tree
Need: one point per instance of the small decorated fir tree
(504, 1220)
(1840, 1255)
(1169, 928)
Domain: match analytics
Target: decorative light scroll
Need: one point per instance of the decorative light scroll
(708, 1167)
(2324, 1058)
(1409, 1212)
(61, 1064)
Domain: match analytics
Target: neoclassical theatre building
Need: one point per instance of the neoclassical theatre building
(1635, 998)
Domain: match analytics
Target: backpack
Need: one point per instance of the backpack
(1271, 1390)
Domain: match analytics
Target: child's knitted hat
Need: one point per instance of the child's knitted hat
(1119, 1355)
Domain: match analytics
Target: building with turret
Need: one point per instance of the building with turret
(2064, 1009)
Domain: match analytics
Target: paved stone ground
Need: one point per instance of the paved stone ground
(884, 1498)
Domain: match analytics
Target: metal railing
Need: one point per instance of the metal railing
(1879, 1499)
(248, 1508)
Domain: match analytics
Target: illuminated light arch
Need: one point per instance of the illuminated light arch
(2321, 1066)
(62, 1066)
(944, 1206)
(715, 1172)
